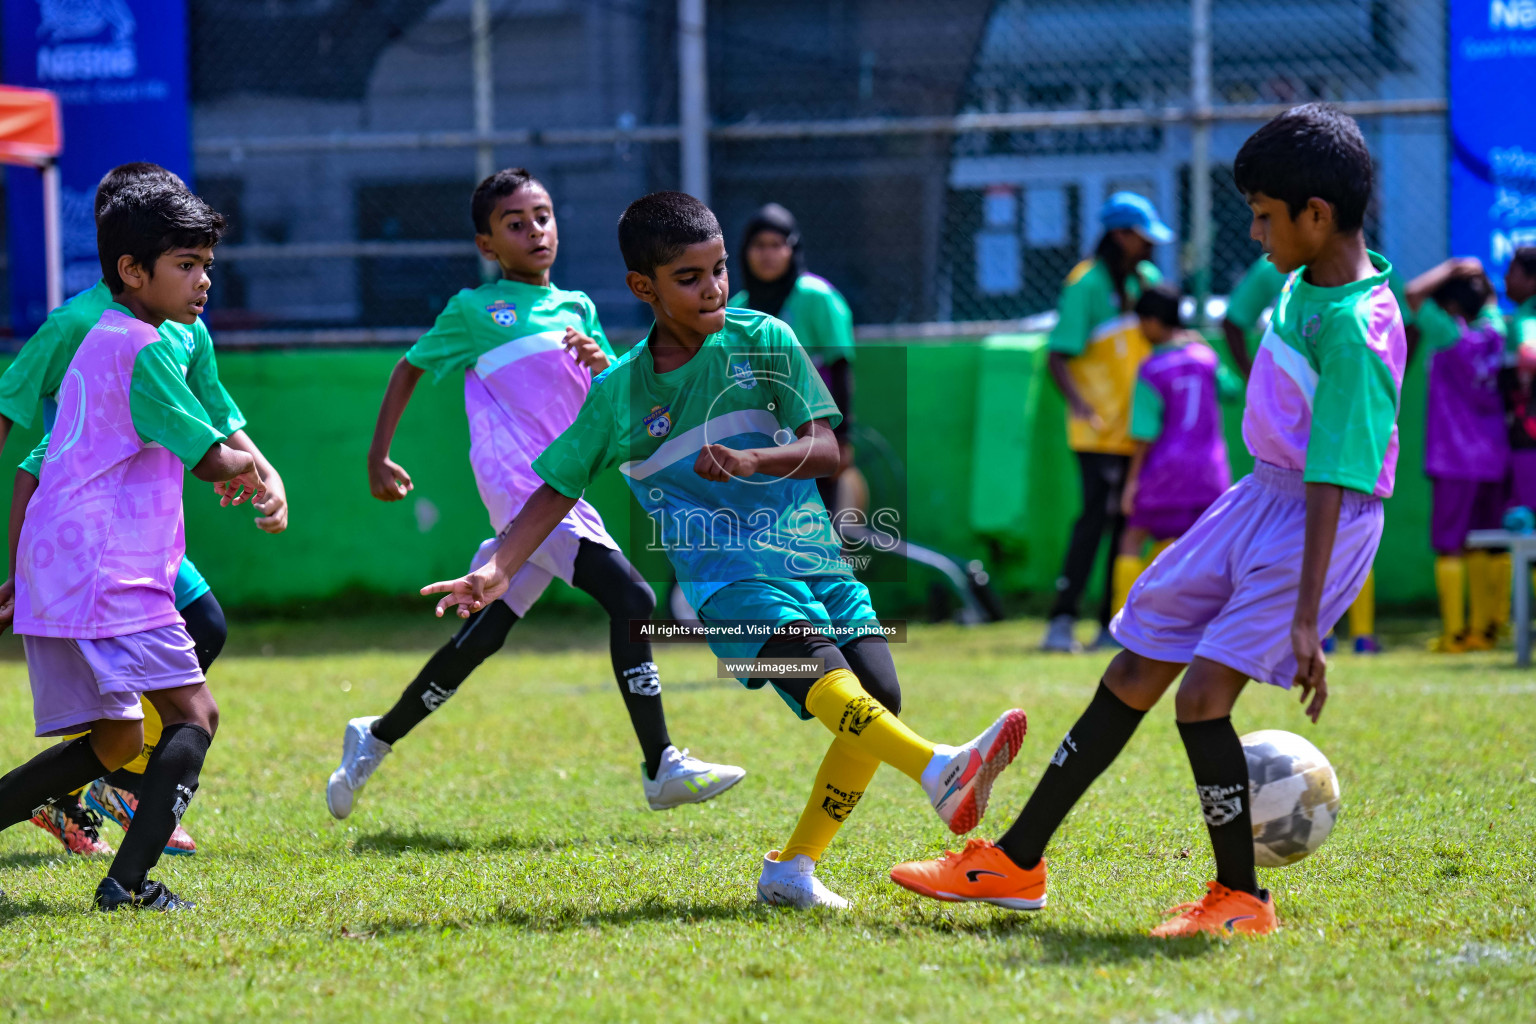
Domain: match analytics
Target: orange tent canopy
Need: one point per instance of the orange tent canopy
(29, 126)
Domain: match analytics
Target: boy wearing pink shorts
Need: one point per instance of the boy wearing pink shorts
(1250, 590)
(97, 554)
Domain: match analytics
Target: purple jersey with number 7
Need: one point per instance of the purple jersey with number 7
(1186, 466)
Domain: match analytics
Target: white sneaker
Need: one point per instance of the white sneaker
(959, 779)
(793, 883)
(361, 754)
(681, 779)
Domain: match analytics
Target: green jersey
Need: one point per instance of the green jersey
(1522, 325)
(750, 385)
(1261, 285)
(819, 316)
(38, 369)
(1439, 330)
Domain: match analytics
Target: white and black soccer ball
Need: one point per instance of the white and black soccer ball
(1293, 796)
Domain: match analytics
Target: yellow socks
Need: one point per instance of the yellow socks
(1127, 568)
(841, 704)
(1500, 576)
(1451, 584)
(1479, 611)
(844, 775)
(1362, 614)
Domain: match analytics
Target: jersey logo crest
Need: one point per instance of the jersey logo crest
(742, 373)
(659, 422)
(503, 312)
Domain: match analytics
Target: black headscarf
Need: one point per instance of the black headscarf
(769, 296)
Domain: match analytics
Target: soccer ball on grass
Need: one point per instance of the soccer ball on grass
(1293, 793)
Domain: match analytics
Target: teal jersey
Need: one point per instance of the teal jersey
(1522, 326)
(750, 385)
(38, 369)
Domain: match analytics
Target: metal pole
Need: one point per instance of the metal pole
(53, 235)
(1200, 154)
(693, 99)
(485, 98)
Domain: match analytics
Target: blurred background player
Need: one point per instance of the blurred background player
(1243, 325)
(34, 378)
(1265, 573)
(1466, 448)
(777, 283)
(100, 625)
(719, 418)
(1180, 465)
(1096, 349)
(1515, 380)
(527, 352)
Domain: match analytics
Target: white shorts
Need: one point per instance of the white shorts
(555, 558)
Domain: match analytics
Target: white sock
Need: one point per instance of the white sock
(941, 757)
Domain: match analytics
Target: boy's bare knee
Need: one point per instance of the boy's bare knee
(1207, 693)
(117, 745)
(1138, 681)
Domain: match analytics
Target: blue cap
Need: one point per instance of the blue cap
(1129, 210)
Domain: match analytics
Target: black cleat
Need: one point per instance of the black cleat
(110, 895)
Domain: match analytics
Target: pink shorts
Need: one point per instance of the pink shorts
(555, 558)
(1226, 590)
(76, 682)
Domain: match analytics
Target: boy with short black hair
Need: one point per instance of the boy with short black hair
(526, 351)
(1466, 448)
(1516, 379)
(34, 378)
(97, 553)
(720, 425)
(1273, 564)
(1180, 463)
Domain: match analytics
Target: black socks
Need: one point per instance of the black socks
(480, 637)
(1088, 748)
(62, 768)
(1221, 779)
(169, 783)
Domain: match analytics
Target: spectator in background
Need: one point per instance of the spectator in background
(778, 284)
(1096, 349)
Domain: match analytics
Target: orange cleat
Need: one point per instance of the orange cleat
(980, 873)
(1222, 912)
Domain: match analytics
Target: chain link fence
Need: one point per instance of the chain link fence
(946, 163)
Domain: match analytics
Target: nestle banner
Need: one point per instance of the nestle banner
(119, 68)
(1493, 129)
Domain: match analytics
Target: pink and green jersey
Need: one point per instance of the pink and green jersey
(1327, 381)
(103, 534)
(522, 388)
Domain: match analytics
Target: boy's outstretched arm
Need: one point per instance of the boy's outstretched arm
(814, 453)
(1322, 529)
(274, 507)
(1429, 282)
(387, 479)
(537, 519)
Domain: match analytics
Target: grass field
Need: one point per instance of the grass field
(502, 864)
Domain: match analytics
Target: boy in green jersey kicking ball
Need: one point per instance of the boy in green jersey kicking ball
(721, 425)
(526, 352)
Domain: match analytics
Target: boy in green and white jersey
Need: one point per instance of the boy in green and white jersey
(720, 425)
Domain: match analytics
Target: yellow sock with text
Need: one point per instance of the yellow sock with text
(842, 705)
(840, 783)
